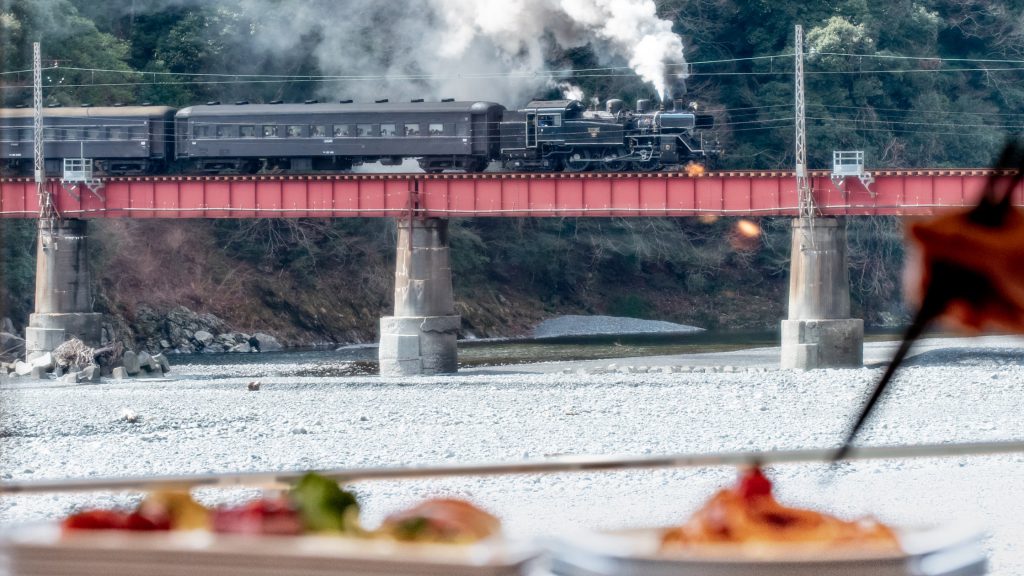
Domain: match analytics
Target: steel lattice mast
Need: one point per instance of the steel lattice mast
(46, 207)
(803, 184)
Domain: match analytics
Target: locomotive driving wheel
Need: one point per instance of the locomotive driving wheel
(579, 160)
(614, 159)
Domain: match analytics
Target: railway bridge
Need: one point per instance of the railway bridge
(419, 338)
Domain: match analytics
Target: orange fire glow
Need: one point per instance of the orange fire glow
(748, 228)
(694, 169)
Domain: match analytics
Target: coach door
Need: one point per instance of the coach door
(531, 129)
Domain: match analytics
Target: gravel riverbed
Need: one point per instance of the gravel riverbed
(956, 390)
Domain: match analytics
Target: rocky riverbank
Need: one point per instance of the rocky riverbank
(953, 392)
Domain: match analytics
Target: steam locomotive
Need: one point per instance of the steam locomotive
(546, 135)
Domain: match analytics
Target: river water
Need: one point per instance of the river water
(362, 359)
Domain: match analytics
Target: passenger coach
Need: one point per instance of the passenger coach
(119, 139)
(326, 136)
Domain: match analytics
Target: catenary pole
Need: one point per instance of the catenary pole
(46, 207)
(803, 186)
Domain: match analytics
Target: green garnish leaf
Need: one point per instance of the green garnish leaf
(323, 504)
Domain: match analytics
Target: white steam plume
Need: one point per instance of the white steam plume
(467, 49)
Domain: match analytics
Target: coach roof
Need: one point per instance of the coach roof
(333, 108)
(89, 111)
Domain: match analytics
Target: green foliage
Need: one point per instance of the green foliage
(68, 39)
(17, 268)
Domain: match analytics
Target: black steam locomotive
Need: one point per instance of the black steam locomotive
(546, 135)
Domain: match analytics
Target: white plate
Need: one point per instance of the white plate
(939, 551)
(40, 550)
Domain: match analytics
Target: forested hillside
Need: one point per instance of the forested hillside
(933, 83)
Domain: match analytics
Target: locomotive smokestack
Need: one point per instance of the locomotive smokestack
(676, 85)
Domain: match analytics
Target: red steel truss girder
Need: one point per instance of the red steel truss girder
(905, 192)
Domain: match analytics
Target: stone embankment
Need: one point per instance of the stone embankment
(182, 331)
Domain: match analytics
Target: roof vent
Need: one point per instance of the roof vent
(86, 105)
(147, 103)
(416, 100)
(53, 106)
(119, 104)
(277, 101)
(21, 106)
(447, 99)
(210, 103)
(346, 101)
(241, 103)
(381, 101)
(312, 101)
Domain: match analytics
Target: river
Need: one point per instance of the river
(362, 359)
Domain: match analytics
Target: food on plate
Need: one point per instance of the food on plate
(747, 514)
(162, 510)
(441, 520)
(178, 507)
(114, 520)
(323, 506)
(271, 516)
(314, 505)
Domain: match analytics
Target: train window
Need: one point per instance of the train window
(119, 133)
(200, 130)
(137, 133)
(317, 131)
(247, 131)
(26, 135)
(436, 129)
(462, 129)
(224, 131)
(340, 130)
(269, 131)
(412, 129)
(293, 131)
(93, 133)
(364, 129)
(549, 120)
(388, 130)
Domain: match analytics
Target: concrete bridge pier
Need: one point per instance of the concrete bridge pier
(420, 339)
(63, 305)
(819, 332)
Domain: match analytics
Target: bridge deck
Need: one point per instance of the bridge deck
(736, 193)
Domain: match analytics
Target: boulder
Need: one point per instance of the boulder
(243, 347)
(90, 373)
(6, 325)
(45, 362)
(161, 362)
(12, 347)
(22, 368)
(38, 373)
(267, 342)
(204, 337)
(130, 361)
(146, 362)
(119, 373)
(72, 378)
